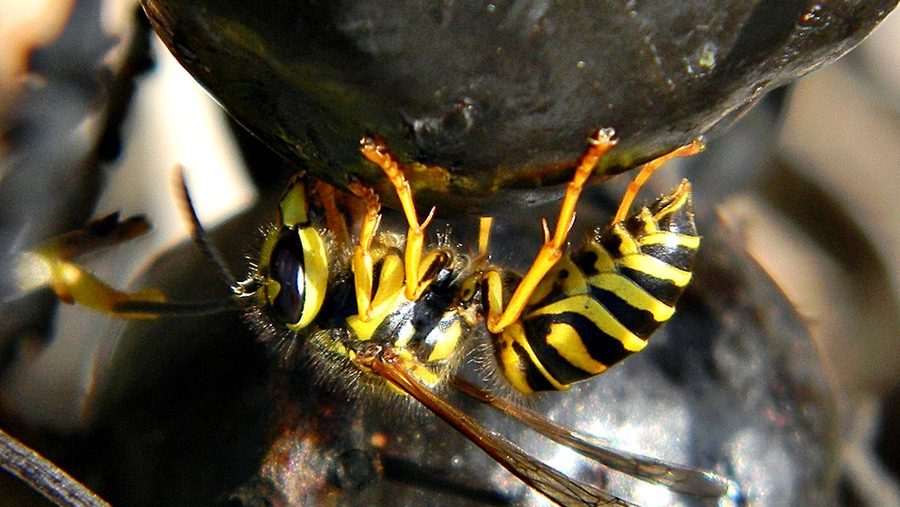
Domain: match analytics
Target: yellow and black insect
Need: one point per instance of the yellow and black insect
(389, 313)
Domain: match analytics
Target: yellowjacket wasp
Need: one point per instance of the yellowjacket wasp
(388, 314)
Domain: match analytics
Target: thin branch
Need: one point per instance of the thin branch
(43, 476)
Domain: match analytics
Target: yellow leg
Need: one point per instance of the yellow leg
(333, 217)
(551, 251)
(51, 265)
(647, 170)
(484, 239)
(74, 285)
(377, 153)
(362, 260)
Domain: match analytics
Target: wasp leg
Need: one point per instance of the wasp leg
(97, 235)
(484, 239)
(551, 251)
(74, 285)
(51, 265)
(333, 217)
(377, 153)
(484, 235)
(647, 170)
(362, 260)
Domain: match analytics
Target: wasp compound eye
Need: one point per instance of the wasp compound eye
(288, 270)
(297, 276)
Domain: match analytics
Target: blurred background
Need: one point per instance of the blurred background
(808, 179)
(822, 219)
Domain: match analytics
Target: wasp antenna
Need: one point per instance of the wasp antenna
(141, 308)
(199, 235)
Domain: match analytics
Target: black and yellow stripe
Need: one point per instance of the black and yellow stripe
(601, 304)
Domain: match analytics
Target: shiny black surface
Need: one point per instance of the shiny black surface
(286, 266)
(502, 95)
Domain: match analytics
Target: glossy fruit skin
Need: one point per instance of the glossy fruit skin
(499, 96)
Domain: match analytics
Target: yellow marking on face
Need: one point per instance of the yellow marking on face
(596, 313)
(272, 288)
(570, 345)
(315, 274)
(446, 343)
(671, 239)
(656, 268)
(633, 294)
(293, 206)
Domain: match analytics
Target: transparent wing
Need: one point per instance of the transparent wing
(678, 478)
(550, 482)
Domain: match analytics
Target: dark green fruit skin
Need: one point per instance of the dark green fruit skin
(500, 95)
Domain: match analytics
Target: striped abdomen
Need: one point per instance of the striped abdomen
(600, 304)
